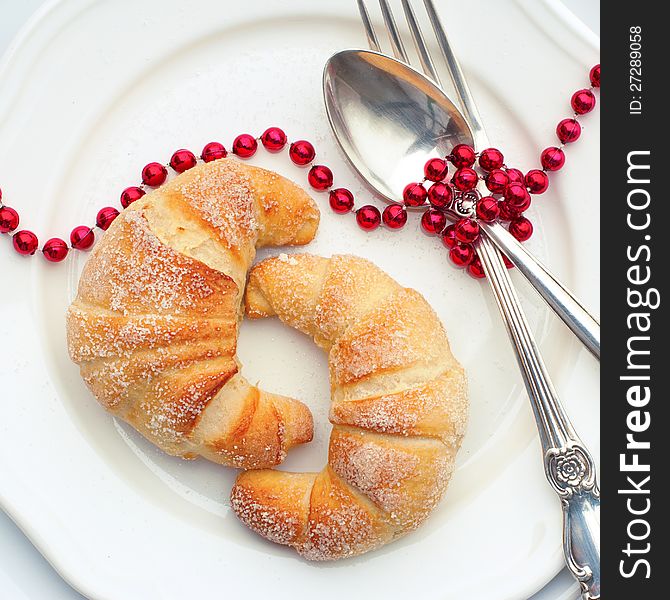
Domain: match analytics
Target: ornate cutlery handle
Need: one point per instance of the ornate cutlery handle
(568, 465)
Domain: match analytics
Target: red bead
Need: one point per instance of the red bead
(154, 174)
(462, 156)
(537, 181)
(433, 221)
(515, 176)
(245, 145)
(394, 216)
(436, 169)
(461, 254)
(341, 200)
(9, 219)
(273, 139)
(55, 250)
(0, 194)
(368, 217)
(414, 194)
(490, 159)
(320, 177)
(130, 195)
(552, 158)
(105, 217)
(302, 153)
(449, 236)
(25, 242)
(475, 268)
(213, 151)
(496, 181)
(82, 237)
(467, 230)
(583, 101)
(517, 197)
(487, 209)
(183, 160)
(508, 263)
(521, 228)
(507, 212)
(568, 130)
(594, 76)
(465, 179)
(439, 195)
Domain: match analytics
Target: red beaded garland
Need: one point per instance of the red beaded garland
(462, 155)
(449, 236)
(487, 209)
(105, 217)
(320, 177)
(433, 221)
(154, 174)
(568, 131)
(490, 159)
(465, 179)
(245, 145)
(475, 268)
(414, 194)
(394, 216)
(467, 230)
(368, 217)
(461, 254)
(594, 76)
(131, 194)
(507, 212)
(439, 195)
(9, 219)
(82, 237)
(25, 242)
(515, 176)
(552, 158)
(517, 196)
(436, 169)
(341, 200)
(537, 181)
(497, 180)
(301, 152)
(273, 139)
(213, 151)
(521, 228)
(583, 101)
(55, 250)
(183, 160)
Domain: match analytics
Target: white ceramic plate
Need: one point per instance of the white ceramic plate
(91, 91)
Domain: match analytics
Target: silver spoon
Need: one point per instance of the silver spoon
(389, 119)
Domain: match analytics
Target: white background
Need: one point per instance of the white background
(24, 573)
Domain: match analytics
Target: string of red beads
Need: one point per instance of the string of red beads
(511, 185)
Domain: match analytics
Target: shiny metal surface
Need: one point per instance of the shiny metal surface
(369, 101)
(373, 102)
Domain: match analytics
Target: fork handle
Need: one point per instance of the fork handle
(568, 465)
(556, 295)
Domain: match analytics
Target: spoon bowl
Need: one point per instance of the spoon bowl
(388, 118)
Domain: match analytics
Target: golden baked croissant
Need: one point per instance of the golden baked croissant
(154, 324)
(399, 409)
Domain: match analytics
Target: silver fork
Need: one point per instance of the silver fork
(559, 298)
(568, 465)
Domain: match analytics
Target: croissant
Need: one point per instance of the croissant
(399, 409)
(154, 324)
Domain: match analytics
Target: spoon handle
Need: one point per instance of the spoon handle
(556, 295)
(559, 298)
(568, 465)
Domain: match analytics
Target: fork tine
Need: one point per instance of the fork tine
(419, 43)
(394, 36)
(373, 42)
(458, 78)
